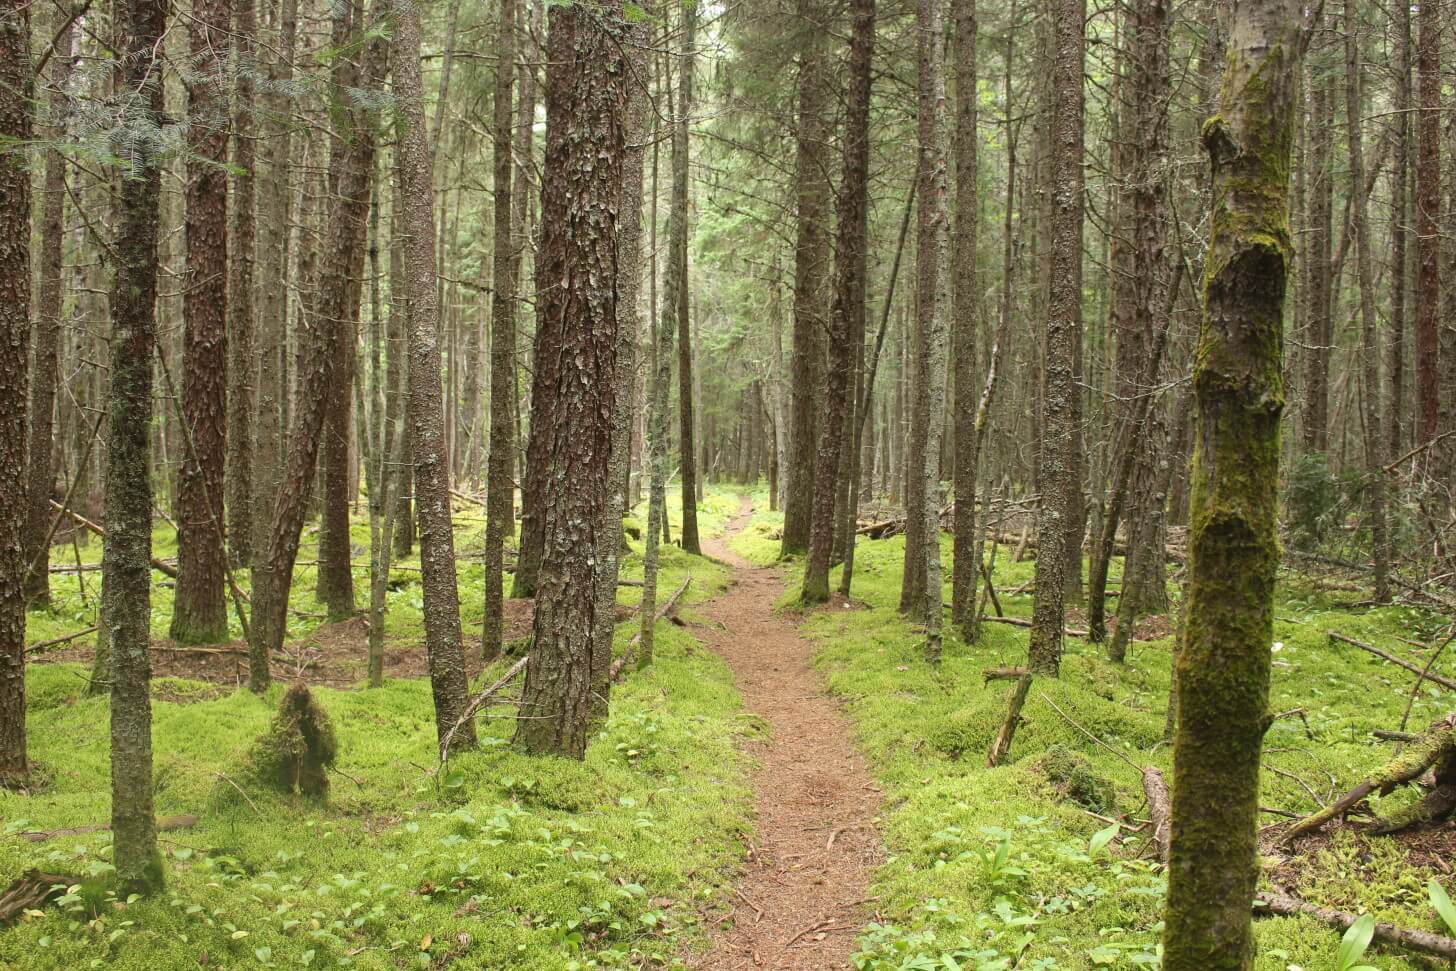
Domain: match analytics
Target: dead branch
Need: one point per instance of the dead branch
(1283, 905)
(480, 701)
(30, 891)
(1444, 682)
(56, 642)
(164, 825)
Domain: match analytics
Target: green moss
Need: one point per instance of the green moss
(1072, 776)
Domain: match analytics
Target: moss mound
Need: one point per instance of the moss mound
(299, 748)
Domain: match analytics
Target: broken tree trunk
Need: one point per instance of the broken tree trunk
(1014, 703)
(1160, 811)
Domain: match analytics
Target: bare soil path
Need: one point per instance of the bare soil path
(803, 897)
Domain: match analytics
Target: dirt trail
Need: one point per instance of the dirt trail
(802, 900)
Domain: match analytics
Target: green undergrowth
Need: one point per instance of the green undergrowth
(497, 861)
(999, 868)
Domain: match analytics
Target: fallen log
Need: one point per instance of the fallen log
(1282, 905)
(164, 825)
(1437, 748)
(1431, 676)
(30, 891)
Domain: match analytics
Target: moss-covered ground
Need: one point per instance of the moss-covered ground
(1000, 868)
(499, 861)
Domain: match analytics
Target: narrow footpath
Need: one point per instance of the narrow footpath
(803, 897)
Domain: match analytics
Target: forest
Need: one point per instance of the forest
(891, 485)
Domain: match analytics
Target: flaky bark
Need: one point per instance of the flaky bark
(1428, 213)
(126, 606)
(15, 128)
(586, 109)
(835, 438)
(1057, 477)
(199, 614)
(1223, 667)
(443, 648)
(687, 455)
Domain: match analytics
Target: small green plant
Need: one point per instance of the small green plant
(1354, 944)
(1441, 901)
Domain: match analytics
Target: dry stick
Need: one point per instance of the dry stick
(1131, 764)
(479, 702)
(1020, 622)
(620, 664)
(44, 645)
(161, 567)
(1418, 450)
(1426, 674)
(1003, 674)
(1285, 906)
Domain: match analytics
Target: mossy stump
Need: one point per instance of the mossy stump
(299, 748)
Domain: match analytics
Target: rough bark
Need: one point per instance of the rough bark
(1224, 664)
(849, 296)
(1395, 335)
(499, 483)
(15, 193)
(443, 648)
(586, 109)
(966, 560)
(1319, 329)
(241, 309)
(126, 606)
(811, 260)
(199, 614)
(1058, 475)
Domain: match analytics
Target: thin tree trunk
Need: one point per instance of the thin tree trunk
(500, 485)
(1059, 485)
(965, 561)
(1223, 668)
(687, 455)
(241, 311)
(443, 648)
(586, 115)
(1428, 214)
(126, 611)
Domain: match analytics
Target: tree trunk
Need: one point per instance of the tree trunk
(1223, 668)
(687, 454)
(1428, 214)
(586, 109)
(126, 608)
(199, 615)
(835, 437)
(15, 193)
(811, 257)
(241, 312)
(443, 648)
(1395, 428)
(500, 485)
(41, 474)
(965, 562)
(1059, 483)
(1319, 326)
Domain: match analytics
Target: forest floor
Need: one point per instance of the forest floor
(804, 895)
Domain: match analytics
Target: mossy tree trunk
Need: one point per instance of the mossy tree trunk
(1223, 670)
(126, 610)
(966, 562)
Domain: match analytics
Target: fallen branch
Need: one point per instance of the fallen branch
(1003, 674)
(164, 825)
(158, 565)
(1282, 905)
(1022, 622)
(620, 664)
(479, 701)
(56, 642)
(1444, 682)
